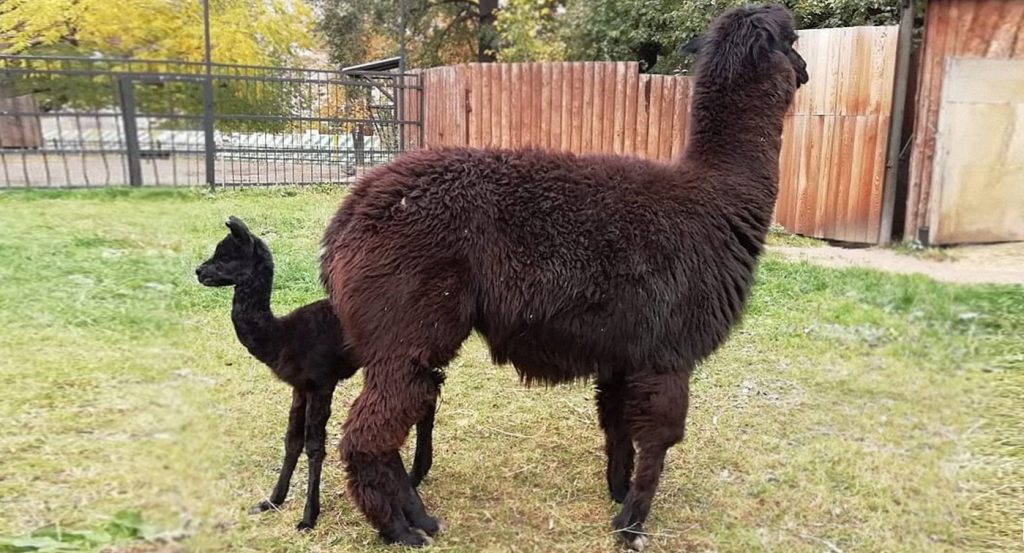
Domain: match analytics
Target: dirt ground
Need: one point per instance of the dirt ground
(975, 264)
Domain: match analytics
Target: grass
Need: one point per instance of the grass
(915, 249)
(851, 411)
(779, 236)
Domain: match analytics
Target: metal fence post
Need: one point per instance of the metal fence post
(126, 94)
(211, 145)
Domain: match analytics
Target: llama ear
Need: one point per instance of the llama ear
(693, 46)
(239, 231)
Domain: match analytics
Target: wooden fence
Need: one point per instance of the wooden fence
(834, 144)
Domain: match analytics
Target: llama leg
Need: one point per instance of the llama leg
(424, 456)
(392, 400)
(655, 409)
(293, 440)
(318, 411)
(618, 445)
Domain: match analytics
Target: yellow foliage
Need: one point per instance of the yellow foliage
(242, 31)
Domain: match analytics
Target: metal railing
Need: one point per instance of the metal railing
(80, 122)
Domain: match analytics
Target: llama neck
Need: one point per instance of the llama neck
(737, 127)
(255, 324)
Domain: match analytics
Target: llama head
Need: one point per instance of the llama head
(235, 258)
(749, 39)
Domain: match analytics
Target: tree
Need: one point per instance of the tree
(271, 32)
(651, 30)
(439, 32)
(530, 30)
(254, 33)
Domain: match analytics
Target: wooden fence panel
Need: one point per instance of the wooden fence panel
(834, 142)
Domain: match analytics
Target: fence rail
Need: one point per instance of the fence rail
(71, 122)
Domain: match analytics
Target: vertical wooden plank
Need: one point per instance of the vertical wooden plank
(554, 82)
(545, 113)
(454, 113)
(858, 103)
(1009, 27)
(851, 231)
(540, 116)
(528, 114)
(529, 117)
(486, 110)
(781, 214)
(619, 141)
(806, 47)
(587, 122)
(608, 101)
(870, 175)
(878, 180)
(643, 110)
(797, 175)
(433, 93)
(515, 85)
(597, 106)
(687, 113)
(978, 36)
(831, 175)
(679, 117)
(654, 117)
(800, 184)
(579, 77)
(846, 178)
(463, 91)
(668, 113)
(816, 150)
(473, 107)
(568, 76)
(505, 89)
(822, 60)
(877, 79)
(630, 109)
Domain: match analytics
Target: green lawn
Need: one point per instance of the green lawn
(851, 411)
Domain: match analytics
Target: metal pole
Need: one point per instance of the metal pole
(126, 91)
(400, 92)
(899, 99)
(210, 145)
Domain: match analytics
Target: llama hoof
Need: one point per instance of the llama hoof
(424, 535)
(409, 537)
(264, 506)
(638, 543)
(304, 526)
(631, 535)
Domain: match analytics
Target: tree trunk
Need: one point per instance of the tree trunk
(488, 36)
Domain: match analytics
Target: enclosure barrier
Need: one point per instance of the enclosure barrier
(80, 122)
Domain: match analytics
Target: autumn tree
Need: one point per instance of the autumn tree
(271, 32)
(651, 30)
(438, 32)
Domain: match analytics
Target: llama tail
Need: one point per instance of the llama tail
(331, 240)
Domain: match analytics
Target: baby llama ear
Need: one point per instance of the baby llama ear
(239, 230)
(693, 46)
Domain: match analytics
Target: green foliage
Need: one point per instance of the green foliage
(268, 32)
(652, 30)
(124, 526)
(438, 33)
(528, 30)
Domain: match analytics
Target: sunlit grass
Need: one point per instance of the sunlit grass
(855, 409)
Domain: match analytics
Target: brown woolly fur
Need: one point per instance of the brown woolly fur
(613, 268)
(305, 348)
